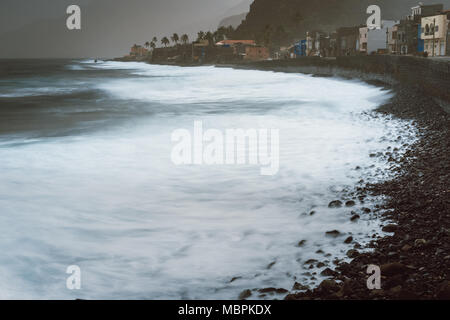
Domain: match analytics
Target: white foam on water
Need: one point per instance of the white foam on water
(113, 203)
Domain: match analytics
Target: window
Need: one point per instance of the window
(436, 29)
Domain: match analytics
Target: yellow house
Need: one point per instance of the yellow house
(435, 34)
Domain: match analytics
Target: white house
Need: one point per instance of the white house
(372, 40)
(435, 33)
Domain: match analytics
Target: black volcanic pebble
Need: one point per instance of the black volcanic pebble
(350, 203)
(390, 228)
(335, 204)
(333, 233)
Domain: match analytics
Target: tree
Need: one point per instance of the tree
(165, 41)
(175, 38)
(229, 32)
(147, 44)
(200, 35)
(185, 38)
(153, 45)
(209, 36)
(155, 39)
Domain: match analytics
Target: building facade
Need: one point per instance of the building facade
(416, 18)
(317, 43)
(378, 40)
(348, 41)
(256, 53)
(435, 34)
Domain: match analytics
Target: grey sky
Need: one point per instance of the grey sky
(37, 28)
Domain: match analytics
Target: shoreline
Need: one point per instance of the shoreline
(415, 258)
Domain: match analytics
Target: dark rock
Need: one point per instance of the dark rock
(335, 204)
(328, 272)
(352, 253)
(333, 233)
(245, 294)
(310, 261)
(391, 269)
(390, 228)
(350, 203)
(273, 290)
(329, 285)
(348, 240)
(406, 247)
(299, 287)
(355, 217)
(444, 291)
(301, 243)
(420, 242)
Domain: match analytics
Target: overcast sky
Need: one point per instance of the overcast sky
(37, 28)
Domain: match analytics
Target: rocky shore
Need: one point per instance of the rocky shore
(415, 259)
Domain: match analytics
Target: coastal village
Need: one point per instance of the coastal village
(425, 32)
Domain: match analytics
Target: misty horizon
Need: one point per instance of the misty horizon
(109, 28)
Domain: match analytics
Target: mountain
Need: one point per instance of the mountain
(288, 20)
(233, 21)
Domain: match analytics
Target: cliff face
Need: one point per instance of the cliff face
(233, 21)
(289, 20)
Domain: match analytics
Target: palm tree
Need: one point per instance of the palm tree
(184, 38)
(147, 44)
(200, 35)
(175, 38)
(229, 32)
(209, 36)
(155, 39)
(152, 45)
(165, 41)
